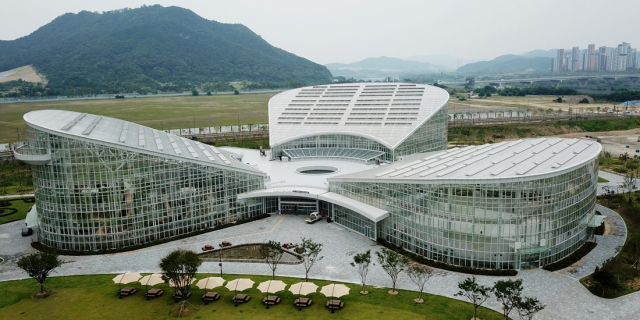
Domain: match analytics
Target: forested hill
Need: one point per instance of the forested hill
(151, 47)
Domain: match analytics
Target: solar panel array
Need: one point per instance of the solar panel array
(516, 158)
(370, 104)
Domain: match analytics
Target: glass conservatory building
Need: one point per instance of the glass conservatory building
(359, 122)
(509, 205)
(102, 183)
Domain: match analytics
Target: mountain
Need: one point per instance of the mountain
(510, 63)
(381, 67)
(449, 62)
(552, 53)
(151, 46)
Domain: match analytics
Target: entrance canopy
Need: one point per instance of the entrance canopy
(370, 212)
(343, 153)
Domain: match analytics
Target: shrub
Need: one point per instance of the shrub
(441, 265)
(584, 100)
(572, 258)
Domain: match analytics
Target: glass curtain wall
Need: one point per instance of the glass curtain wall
(501, 225)
(431, 136)
(334, 141)
(93, 197)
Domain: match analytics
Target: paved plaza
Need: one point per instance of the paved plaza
(564, 296)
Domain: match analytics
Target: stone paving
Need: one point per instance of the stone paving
(564, 296)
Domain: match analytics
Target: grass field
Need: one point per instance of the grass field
(159, 113)
(95, 297)
(8, 215)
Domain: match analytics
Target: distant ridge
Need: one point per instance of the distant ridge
(381, 67)
(151, 47)
(509, 63)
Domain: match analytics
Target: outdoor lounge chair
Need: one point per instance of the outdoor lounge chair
(210, 296)
(127, 291)
(154, 293)
(208, 247)
(271, 300)
(302, 302)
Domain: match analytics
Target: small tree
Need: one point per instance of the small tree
(272, 252)
(527, 307)
(310, 251)
(39, 265)
(420, 274)
(195, 92)
(508, 293)
(629, 183)
(180, 266)
(393, 264)
(476, 293)
(361, 262)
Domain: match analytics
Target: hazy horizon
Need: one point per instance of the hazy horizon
(333, 31)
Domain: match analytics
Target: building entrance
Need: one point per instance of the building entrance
(298, 206)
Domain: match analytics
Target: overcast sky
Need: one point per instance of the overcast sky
(348, 30)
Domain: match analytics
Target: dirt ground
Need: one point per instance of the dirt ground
(615, 142)
(26, 73)
(496, 103)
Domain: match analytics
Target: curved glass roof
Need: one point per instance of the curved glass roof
(386, 112)
(523, 158)
(128, 135)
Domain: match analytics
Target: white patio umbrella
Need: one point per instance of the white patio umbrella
(303, 288)
(126, 277)
(151, 280)
(173, 285)
(210, 283)
(335, 290)
(271, 286)
(239, 284)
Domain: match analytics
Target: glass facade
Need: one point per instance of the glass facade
(501, 224)
(95, 197)
(431, 136)
(341, 141)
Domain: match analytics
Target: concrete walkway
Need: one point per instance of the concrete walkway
(564, 296)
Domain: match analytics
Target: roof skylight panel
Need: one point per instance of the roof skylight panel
(432, 170)
(525, 168)
(476, 159)
(73, 122)
(409, 164)
(124, 133)
(502, 168)
(450, 170)
(93, 124)
(141, 138)
(483, 167)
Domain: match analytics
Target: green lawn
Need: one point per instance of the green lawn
(7, 215)
(602, 180)
(95, 297)
(156, 112)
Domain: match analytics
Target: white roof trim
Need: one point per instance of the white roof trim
(370, 212)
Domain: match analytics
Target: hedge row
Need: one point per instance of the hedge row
(39, 246)
(441, 265)
(572, 258)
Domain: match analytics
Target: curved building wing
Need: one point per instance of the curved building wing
(342, 120)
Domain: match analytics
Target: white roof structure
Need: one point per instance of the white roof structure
(122, 134)
(386, 112)
(520, 159)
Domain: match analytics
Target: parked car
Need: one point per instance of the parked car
(27, 232)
